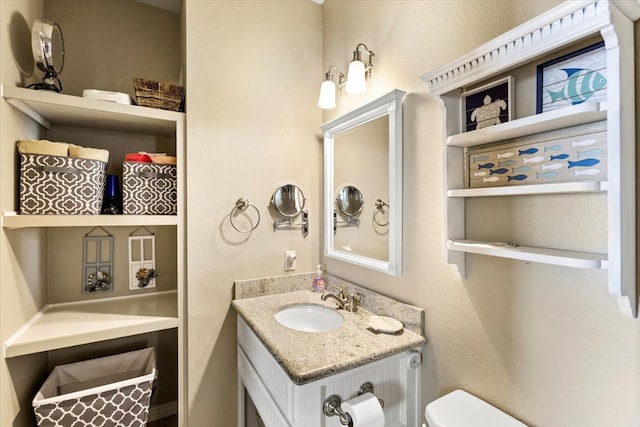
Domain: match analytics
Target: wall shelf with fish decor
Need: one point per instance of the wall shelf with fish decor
(605, 178)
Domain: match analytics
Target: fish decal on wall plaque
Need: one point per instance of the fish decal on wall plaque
(581, 85)
(585, 143)
(517, 178)
(536, 159)
(559, 157)
(585, 162)
(586, 172)
(500, 171)
(527, 151)
(486, 166)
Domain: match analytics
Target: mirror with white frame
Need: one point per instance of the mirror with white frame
(363, 149)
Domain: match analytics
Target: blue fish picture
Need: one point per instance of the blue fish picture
(521, 169)
(498, 171)
(559, 157)
(550, 174)
(517, 178)
(553, 148)
(486, 166)
(585, 162)
(527, 151)
(594, 152)
(581, 85)
(479, 159)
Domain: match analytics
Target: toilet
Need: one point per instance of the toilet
(461, 409)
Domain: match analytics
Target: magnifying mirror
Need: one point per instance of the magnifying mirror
(350, 201)
(288, 201)
(47, 46)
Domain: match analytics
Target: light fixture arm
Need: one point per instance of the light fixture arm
(329, 76)
(357, 56)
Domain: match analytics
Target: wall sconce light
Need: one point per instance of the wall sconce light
(327, 99)
(358, 71)
(356, 79)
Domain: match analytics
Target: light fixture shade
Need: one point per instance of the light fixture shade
(327, 99)
(356, 78)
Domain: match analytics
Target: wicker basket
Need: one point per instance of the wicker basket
(151, 93)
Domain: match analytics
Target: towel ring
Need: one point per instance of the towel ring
(380, 208)
(242, 205)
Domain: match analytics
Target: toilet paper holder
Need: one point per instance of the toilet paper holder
(331, 405)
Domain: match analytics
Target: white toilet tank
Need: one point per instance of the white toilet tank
(461, 409)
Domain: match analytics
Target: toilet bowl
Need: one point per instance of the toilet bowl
(461, 409)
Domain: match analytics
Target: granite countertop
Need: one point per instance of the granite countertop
(309, 356)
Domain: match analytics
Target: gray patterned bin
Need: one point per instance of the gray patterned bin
(149, 189)
(57, 185)
(112, 391)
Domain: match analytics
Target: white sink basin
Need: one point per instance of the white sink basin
(309, 318)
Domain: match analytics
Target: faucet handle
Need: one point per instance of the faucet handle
(354, 302)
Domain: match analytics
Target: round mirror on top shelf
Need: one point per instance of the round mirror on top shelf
(47, 46)
(350, 201)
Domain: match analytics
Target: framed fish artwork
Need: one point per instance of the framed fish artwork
(488, 105)
(572, 79)
(550, 157)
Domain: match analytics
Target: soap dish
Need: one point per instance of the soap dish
(384, 324)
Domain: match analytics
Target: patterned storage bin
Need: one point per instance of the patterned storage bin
(56, 185)
(112, 391)
(149, 189)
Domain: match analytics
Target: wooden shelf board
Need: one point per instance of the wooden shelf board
(543, 122)
(14, 220)
(47, 107)
(527, 253)
(69, 324)
(518, 190)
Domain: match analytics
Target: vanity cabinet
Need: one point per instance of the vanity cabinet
(561, 31)
(68, 324)
(280, 402)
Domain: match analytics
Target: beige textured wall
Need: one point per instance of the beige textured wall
(545, 343)
(253, 72)
(23, 291)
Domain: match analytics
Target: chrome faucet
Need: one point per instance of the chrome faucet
(349, 302)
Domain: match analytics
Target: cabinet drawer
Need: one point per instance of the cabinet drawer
(270, 373)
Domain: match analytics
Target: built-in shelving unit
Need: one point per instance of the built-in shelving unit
(100, 318)
(560, 29)
(68, 324)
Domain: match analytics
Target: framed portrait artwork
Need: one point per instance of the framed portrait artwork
(572, 79)
(488, 105)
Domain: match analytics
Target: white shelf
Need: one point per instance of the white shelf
(522, 190)
(47, 107)
(527, 253)
(69, 324)
(14, 220)
(544, 122)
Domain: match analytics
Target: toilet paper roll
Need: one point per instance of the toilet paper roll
(365, 411)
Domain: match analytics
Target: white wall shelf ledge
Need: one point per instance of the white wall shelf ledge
(552, 120)
(533, 254)
(47, 108)
(524, 190)
(69, 324)
(568, 27)
(14, 220)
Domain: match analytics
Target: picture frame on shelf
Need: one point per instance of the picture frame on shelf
(488, 105)
(571, 79)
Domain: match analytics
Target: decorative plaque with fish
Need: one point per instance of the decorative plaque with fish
(572, 79)
(546, 158)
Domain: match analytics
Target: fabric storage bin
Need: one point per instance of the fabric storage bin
(58, 185)
(149, 189)
(112, 391)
